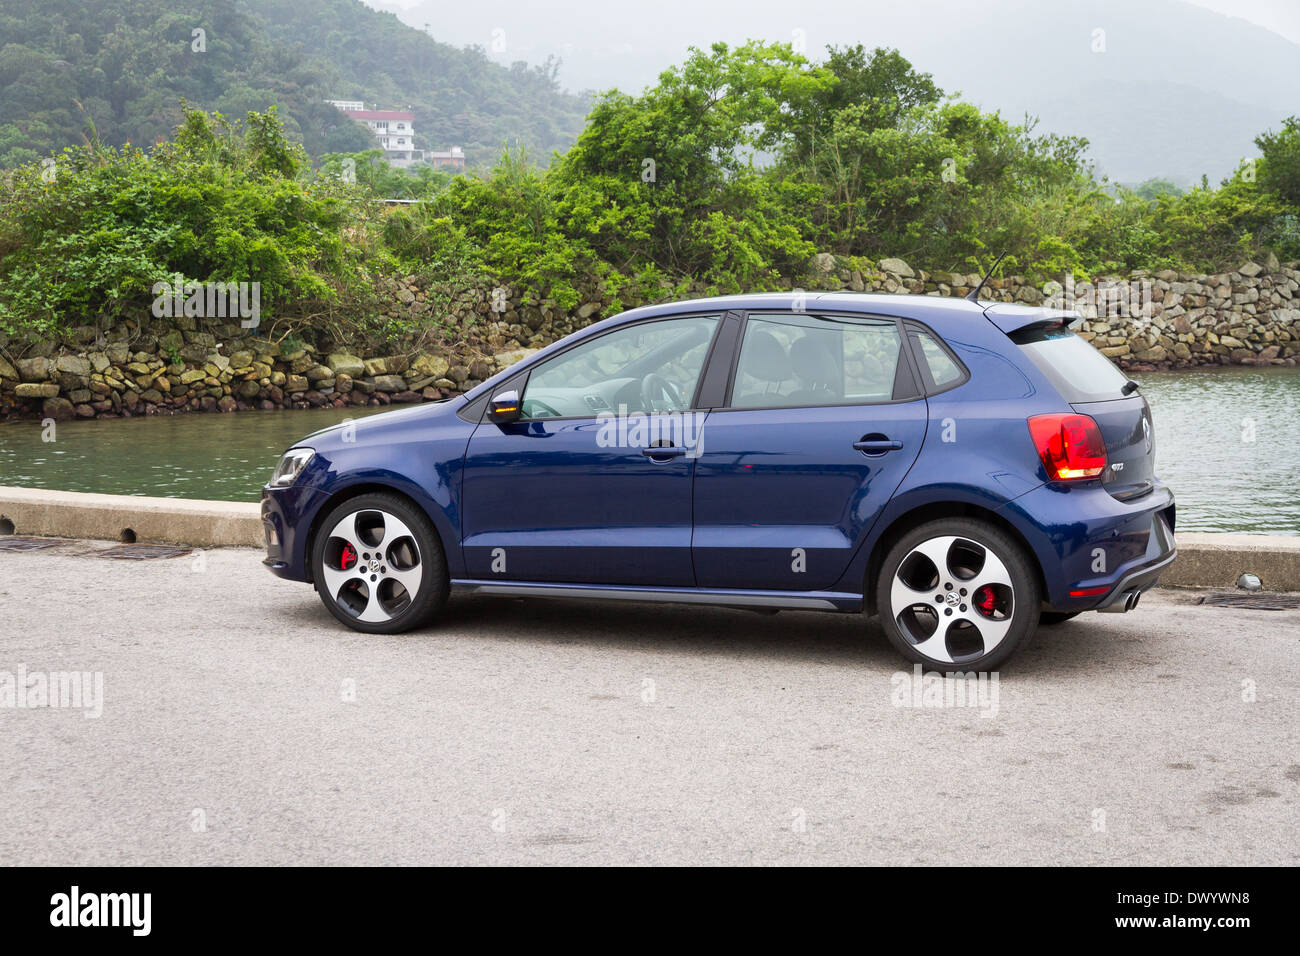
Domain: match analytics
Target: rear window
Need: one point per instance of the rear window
(1079, 372)
(943, 370)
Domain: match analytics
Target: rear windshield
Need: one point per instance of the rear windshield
(1079, 372)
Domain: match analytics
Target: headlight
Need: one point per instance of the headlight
(291, 466)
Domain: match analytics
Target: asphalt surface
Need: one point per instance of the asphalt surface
(588, 733)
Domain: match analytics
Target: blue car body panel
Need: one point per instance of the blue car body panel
(546, 501)
(782, 498)
(777, 507)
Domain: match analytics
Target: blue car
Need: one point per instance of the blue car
(966, 471)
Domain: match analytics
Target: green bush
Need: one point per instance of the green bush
(729, 174)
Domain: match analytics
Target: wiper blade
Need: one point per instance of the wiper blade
(1129, 387)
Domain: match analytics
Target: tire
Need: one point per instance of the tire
(925, 613)
(394, 579)
(1049, 618)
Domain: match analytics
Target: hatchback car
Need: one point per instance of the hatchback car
(963, 470)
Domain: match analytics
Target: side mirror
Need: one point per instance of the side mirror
(504, 407)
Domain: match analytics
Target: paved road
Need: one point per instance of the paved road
(545, 732)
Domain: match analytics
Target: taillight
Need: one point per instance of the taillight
(1070, 446)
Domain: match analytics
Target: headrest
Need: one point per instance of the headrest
(813, 362)
(765, 359)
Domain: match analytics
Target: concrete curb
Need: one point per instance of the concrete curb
(1217, 560)
(71, 514)
(1204, 560)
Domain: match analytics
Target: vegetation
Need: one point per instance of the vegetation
(84, 239)
(125, 66)
(734, 170)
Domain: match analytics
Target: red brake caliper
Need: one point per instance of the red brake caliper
(348, 558)
(986, 600)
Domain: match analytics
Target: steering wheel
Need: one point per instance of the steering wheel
(655, 385)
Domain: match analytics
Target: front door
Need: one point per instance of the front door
(593, 485)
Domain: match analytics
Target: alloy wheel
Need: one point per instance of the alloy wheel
(952, 599)
(372, 567)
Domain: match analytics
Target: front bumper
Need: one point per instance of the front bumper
(287, 514)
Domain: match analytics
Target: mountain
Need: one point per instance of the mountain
(126, 65)
(1168, 89)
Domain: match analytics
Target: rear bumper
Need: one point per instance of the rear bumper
(1123, 596)
(1094, 549)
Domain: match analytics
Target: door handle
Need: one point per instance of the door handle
(663, 452)
(877, 446)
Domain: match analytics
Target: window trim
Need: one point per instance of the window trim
(520, 381)
(928, 386)
(716, 376)
(904, 356)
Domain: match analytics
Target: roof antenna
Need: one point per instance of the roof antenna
(974, 294)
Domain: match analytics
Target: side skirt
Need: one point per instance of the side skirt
(721, 597)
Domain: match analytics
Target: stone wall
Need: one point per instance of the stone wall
(151, 366)
(1250, 316)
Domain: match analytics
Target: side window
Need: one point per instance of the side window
(943, 370)
(648, 367)
(808, 360)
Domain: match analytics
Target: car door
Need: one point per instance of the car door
(593, 484)
(823, 419)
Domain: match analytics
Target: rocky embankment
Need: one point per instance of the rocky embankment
(116, 381)
(1250, 316)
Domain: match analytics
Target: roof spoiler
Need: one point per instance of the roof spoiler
(1012, 318)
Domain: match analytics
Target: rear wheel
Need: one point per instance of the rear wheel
(378, 564)
(958, 594)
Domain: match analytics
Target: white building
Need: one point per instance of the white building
(394, 129)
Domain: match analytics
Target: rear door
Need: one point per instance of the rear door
(821, 420)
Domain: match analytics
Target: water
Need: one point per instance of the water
(1223, 481)
(223, 457)
(1227, 444)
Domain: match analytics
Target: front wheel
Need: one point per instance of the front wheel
(958, 594)
(378, 564)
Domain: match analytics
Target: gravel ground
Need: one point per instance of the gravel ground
(241, 724)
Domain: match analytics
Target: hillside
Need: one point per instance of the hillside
(1179, 91)
(126, 65)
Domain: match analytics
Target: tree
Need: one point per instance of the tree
(1280, 170)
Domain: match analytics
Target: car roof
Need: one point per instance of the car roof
(903, 306)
